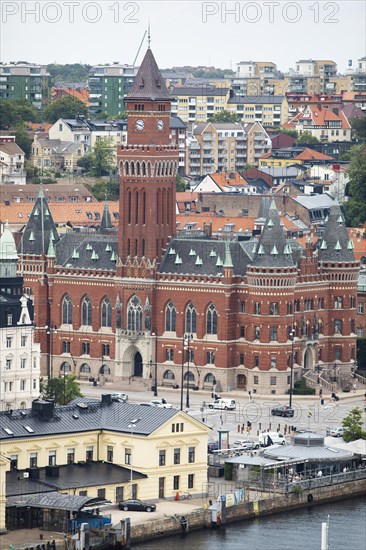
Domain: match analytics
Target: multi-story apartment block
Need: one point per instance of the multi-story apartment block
(19, 355)
(11, 161)
(108, 86)
(24, 81)
(225, 146)
(267, 110)
(297, 102)
(178, 136)
(197, 104)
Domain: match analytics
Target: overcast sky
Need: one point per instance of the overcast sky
(187, 32)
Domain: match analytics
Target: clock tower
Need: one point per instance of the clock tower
(148, 166)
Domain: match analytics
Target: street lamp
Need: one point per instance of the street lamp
(50, 331)
(187, 339)
(292, 338)
(131, 427)
(155, 387)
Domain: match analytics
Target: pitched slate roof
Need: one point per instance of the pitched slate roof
(148, 83)
(272, 249)
(203, 257)
(39, 230)
(335, 244)
(85, 415)
(106, 223)
(87, 251)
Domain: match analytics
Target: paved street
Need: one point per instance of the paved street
(309, 413)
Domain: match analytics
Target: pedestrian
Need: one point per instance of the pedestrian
(319, 474)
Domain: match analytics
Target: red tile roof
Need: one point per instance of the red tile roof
(311, 154)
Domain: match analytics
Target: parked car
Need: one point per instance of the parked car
(226, 404)
(337, 432)
(135, 505)
(121, 397)
(161, 403)
(271, 438)
(245, 444)
(283, 410)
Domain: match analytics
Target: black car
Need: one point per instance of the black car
(283, 410)
(212, 446)
(136, 505)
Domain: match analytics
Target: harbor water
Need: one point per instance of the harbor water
(295, 530)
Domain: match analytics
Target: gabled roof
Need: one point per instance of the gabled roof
(148, 83)
(11, 148)
(311, 154)
(8, 249)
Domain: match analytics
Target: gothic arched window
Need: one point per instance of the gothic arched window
(67, 310)
(191, 318)
(86, 311)
(134, 314)
(211, 320)
(106, 313)
(170, 317)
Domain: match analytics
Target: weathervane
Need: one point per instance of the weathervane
(148, 35)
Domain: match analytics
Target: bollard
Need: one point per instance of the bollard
(260, 425)
(238, 428)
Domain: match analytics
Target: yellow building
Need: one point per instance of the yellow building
(268, 110)
(54, 154)
(196, 104)
(132, 450)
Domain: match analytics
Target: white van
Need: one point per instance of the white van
(226, 404)
(266, 437)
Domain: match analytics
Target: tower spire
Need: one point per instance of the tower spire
(148, 35)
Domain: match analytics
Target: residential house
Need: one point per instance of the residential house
(324, 124)
(20, 355)
(56, 154)
(78, 92)
(233, 182)
(11, 161)
(289, 156)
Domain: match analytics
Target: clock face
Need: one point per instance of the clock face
(160, 125)
(140, 124)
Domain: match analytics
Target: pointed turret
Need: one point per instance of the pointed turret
(149, 83)
(40, 229)
(272, 249)
(106, 226)
(335, 244)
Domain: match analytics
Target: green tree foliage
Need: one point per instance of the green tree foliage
(224, 116)
(102, 189)
(181, 183)
(73, 73)
(356, 189)
(15, 111)
(66, 107)
(62, 390)
(359, 128)
(307, 138)
(101, 160)
(353, 424)
(23, 139)
(289, 132)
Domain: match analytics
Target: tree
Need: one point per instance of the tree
(224, 116)
(353, 424)
(75, 72)
(356, 189)
(101, 160)
(289, 131)
(23, 140)
(15, 111)
(359, 128)
(102, 189)
(62, 390)
(66, 107)
(307, 138)
(181, 184)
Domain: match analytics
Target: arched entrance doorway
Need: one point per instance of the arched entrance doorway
(241, 382)
(308, 359)
(137, 364)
